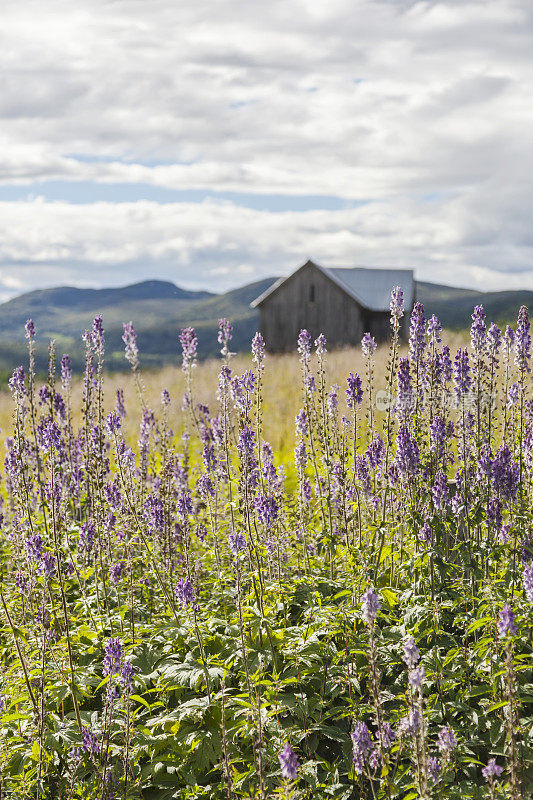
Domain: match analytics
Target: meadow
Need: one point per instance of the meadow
(297, 576)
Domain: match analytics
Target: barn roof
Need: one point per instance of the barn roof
(370, 287)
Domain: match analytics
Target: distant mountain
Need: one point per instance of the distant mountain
(159, 309)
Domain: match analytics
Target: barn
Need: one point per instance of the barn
(340, 302)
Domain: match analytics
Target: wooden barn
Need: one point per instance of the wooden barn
(341, 303)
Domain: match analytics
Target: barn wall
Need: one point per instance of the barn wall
(333, 312)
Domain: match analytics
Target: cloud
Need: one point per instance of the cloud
(416, 109)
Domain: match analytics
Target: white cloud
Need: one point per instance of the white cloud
(420, 109)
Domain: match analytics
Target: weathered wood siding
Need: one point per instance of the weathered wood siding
(308, 299)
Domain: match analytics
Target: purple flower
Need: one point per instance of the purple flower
(446, 741)
(522, 343)
(129, 337)
(411, 653)
(410, 724)
(34, 547)
(417, 333)
(97, 334)
(165, 397)
(527, 581)
(301, 423)
(416, 678)
(440, 491)
(505, 473)
(368, 345)
(443, 366)
(184, 505)
(225, 333)
(29, 329)
(478, 331)
(245, 445)
(508, 339)
(433, 768)
(87, 534)
(370, 606)
(185, 593)
(288, 762)
(112, 423)
(332, 401)
(386, 736)
(236, 542)
(189, 345)
(461, 373)
(320, 345)
(362, 744)
(354, 392)
(300, 455)
(433, 330)
(304, 345)
(396, 305)
(492, 770)
(126, 678)
(375, 452)
(115, 571)
(494, 339)
(407, 459)
(506, 622)
(404, 406)
(90, 744)
(258, 348)
(66, 372)
(17, 382)
(113, 656)
(119, 404)
(267, 510)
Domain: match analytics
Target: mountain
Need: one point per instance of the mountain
(159, 309)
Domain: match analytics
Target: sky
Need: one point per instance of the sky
(216, 143)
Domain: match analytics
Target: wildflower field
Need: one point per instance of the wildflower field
(305, 576)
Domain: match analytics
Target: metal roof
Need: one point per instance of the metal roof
(369, 287)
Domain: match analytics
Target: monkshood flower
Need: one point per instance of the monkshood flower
(417, 333)
(189, 346)
(258, 348)
(478, 331)
(407, 459)
(301, 423)
(527, 581)
(320, 345)
(17, 382)
(245, 445)
(97, 334)
(375, 452)
(184, 592)
(304, 345)
(513, 394)
(492, 770)
(522, 342)
(494, 339)
(370, 606)
(368, 345)
(354, 392)
(51, 437)
(66, 372)
(332, 401)
(396, 305)
(237, 542)
(47, 565)
(267, 510)
(90, 744)
(446, 741)
(416, 678)
(386, 736)
(433, 768)
(362, 745)
(439, 434)
(411, 653)
(116, 571)
(184, 504)
(87, 536)
(112, 423)
(34, 547)
(129, 337)
(29, 329)
(443, 366)
(505, 473)
(114, 655)
(120, 408)
(404, 404)
(154, 513)
(165, 397)
(410, 724)
(300, 455)
(288, 761)
(461, 374)
(126, 678)
(433, 330)
(506, 622)
(225, 333)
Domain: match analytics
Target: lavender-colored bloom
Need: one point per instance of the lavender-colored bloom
(205, 486)
(513, 394)
(405, 390)
(522, 343)
(48, 565)
(66, 372)
(416, 678)
(129, 337)
(114, 655)
(370, 606)
(461, 373)
(440, 491)
(375, 452)
(446, 741)
(527, 582)
(362, 744)
(115, 571)
(90, 744)
(362, 474)
(425, 534)
(97, 334)
(304, 345)
(300, 455)
(410, 724)
(165, 397)
(17, 382)
(288, 762)
(508, 339)
(433, 330)
(494, 339)
(29, 329)
(494, 513)
(505, 473)
(184, 505)
(301, 423)
(120, 408)
(386, 736)
(411, 653)
(443, 366)
(245, 445)
(439, 432)
(320, 345)
(87, 535)
(34, 547)
(506, 622)
(396, 305)
(433, 768)
(492, 770)
(236, 542)
(478, 331)
(189, 346)
(368, 345)
(267, 510)
(185, 593)
(112, 423)
(407, 453)
(126, 678)
(310, 383)
(417, 331)
(258, 348)
(354, 392)
(332, 401)
(225, 333)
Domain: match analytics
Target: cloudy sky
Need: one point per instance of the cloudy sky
(216, 142)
